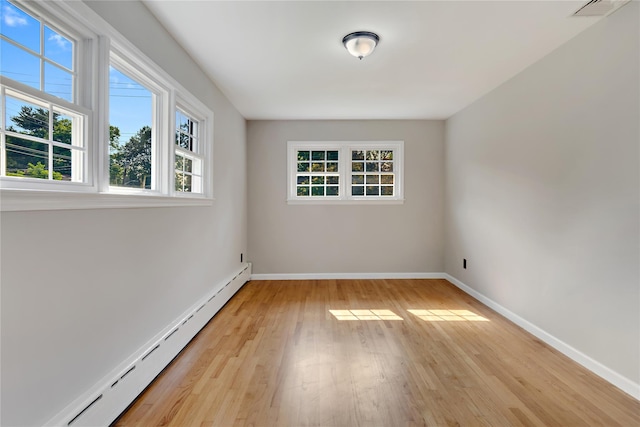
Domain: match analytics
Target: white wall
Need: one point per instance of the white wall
(82, 290)
(542, 189)
(286, 239)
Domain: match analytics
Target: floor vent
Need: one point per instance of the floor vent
(120, 388)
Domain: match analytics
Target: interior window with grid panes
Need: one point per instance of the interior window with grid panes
(188, 163)
(42, 133)
(317, 173)
(372, 173)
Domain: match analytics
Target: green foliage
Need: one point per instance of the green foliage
(24, 157)
(33, 121)
(38, 171)
(62, 130)
(131, 162)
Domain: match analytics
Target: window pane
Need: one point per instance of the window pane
(317, 155)
(186, 131)
(58, 82)
(317, 167)
(357, 190)
(357, 179)
(387, 190)
(303, 156)
(332, 190)
(303, 180)
(303, 167)
(181, 121)
(372, 167)
(19, 26)
(386, 167)
(183, 182)
(26, 118)
(19, 65)
(386, 155)
(187, 183)
(179, 162)
(372, 191)
(317, 180)
(183, 140)
(62, 167)
(373, 155)
(332, 167)
(26, 158)
(357, 155)
(373, 179)
(357, 167)
(62, 128)
(332, 180)
(130, 111)
(58, 48)
(332, 155)
(387, 179)
(317, 191)
(303, 191)
(188, 165)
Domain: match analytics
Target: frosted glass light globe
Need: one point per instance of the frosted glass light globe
(360, 43)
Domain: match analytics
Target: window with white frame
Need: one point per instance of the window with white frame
(188, 153)
(317, 172)
(350, 171)
(131, 130)
(43, 120)
(84, 111)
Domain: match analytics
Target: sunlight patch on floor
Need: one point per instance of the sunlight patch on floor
(448, 316)
(365, 315)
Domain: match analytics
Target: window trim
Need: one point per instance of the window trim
(344, 171)
(93, 57)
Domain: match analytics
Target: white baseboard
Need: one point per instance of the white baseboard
(103, 403)
(623, 383)
(337, 276)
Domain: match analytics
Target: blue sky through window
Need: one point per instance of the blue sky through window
(37, 44)
(130, 104)
(20, 26)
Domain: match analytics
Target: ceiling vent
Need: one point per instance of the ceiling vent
(600, 7)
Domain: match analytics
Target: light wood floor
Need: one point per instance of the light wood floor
(276, 356)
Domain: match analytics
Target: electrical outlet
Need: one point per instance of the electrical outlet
(464, 263)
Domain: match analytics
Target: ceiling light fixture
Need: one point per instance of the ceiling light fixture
(360, 43)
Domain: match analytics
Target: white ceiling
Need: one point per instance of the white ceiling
(285, 59)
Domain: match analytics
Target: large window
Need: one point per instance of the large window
(43, 123)
(321, 172)
(82, 111)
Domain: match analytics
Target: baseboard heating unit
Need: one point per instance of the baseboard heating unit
(101, 405)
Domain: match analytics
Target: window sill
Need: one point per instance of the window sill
(30, 200)
(345, 201)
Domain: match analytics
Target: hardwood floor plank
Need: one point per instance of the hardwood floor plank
(372, 353)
